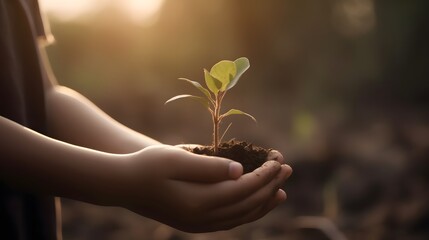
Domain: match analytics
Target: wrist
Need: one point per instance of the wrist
(114, 181)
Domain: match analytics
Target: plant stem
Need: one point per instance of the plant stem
(216, 127)
(216, 121)
(215, 136)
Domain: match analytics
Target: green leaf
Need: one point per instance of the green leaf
(202, 100)
(236, 111)
(242, 64)
(224, 71)
(212, 83)
(199, 87)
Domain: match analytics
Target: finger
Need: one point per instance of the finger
(200, 168)
(251, 215)
(279, 197)
(276, 156)
(205, 198)
(257, 199)
(215, 195)
(230, 192)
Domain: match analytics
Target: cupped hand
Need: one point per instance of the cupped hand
(196, 193)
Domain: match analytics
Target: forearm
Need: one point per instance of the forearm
(35, 163)
(74, 119)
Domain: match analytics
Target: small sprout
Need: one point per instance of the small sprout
(222, 76)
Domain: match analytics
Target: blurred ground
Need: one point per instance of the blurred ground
(340, 87)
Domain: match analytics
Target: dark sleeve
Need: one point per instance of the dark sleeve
(38, 19)
(23, 216)
(21, 78)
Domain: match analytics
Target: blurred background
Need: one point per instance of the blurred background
(339, 86)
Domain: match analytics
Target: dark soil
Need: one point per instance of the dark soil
(250, 156)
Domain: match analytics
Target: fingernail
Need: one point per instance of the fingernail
(235, 170)
(288, 169)
(282, 195)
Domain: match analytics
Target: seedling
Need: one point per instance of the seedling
(223, 76)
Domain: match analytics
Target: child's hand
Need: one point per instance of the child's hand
(196, 193)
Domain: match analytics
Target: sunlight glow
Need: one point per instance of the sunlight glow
(67, 9)
(141, 11)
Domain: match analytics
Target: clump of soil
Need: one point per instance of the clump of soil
(250, 156)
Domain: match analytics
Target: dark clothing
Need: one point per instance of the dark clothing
(23, 215)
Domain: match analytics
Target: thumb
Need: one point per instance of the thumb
(201, 168)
